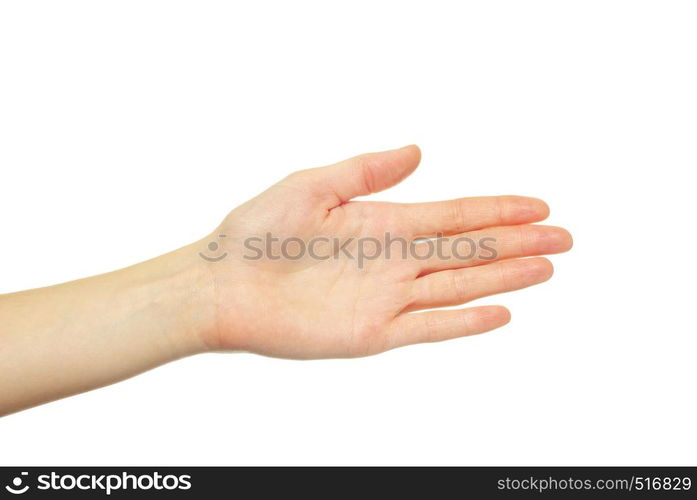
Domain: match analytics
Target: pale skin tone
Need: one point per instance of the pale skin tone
(69, 338)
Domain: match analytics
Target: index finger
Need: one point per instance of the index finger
(468, 214)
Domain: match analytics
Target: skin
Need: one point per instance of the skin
(73, 337)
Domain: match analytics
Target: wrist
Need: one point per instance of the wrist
(179, 292)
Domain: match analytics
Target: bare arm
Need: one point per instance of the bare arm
(235, 290)
(69, 338)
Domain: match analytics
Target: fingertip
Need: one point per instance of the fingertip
(413, 153)
(565, 239)
(542, 268)
(527, 272)
(531, 209)
(542, 208)
(494, 316)
(505, 315)
(414, 150)
(401, 164)
(550, 239)
(514, 209)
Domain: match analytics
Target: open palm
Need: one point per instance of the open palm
(307, 274)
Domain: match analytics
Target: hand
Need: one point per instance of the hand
(231, 291)
(300, 306)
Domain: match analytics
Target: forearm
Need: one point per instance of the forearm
(69, 338)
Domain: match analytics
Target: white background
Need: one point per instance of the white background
(128, 129)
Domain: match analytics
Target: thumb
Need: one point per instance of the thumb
(367, 173)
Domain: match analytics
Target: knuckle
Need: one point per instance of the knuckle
(460, 286)
(366, 165)
(503, 276)
(457, 215)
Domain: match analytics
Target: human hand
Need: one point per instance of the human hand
(337, 306)
(233, 292)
